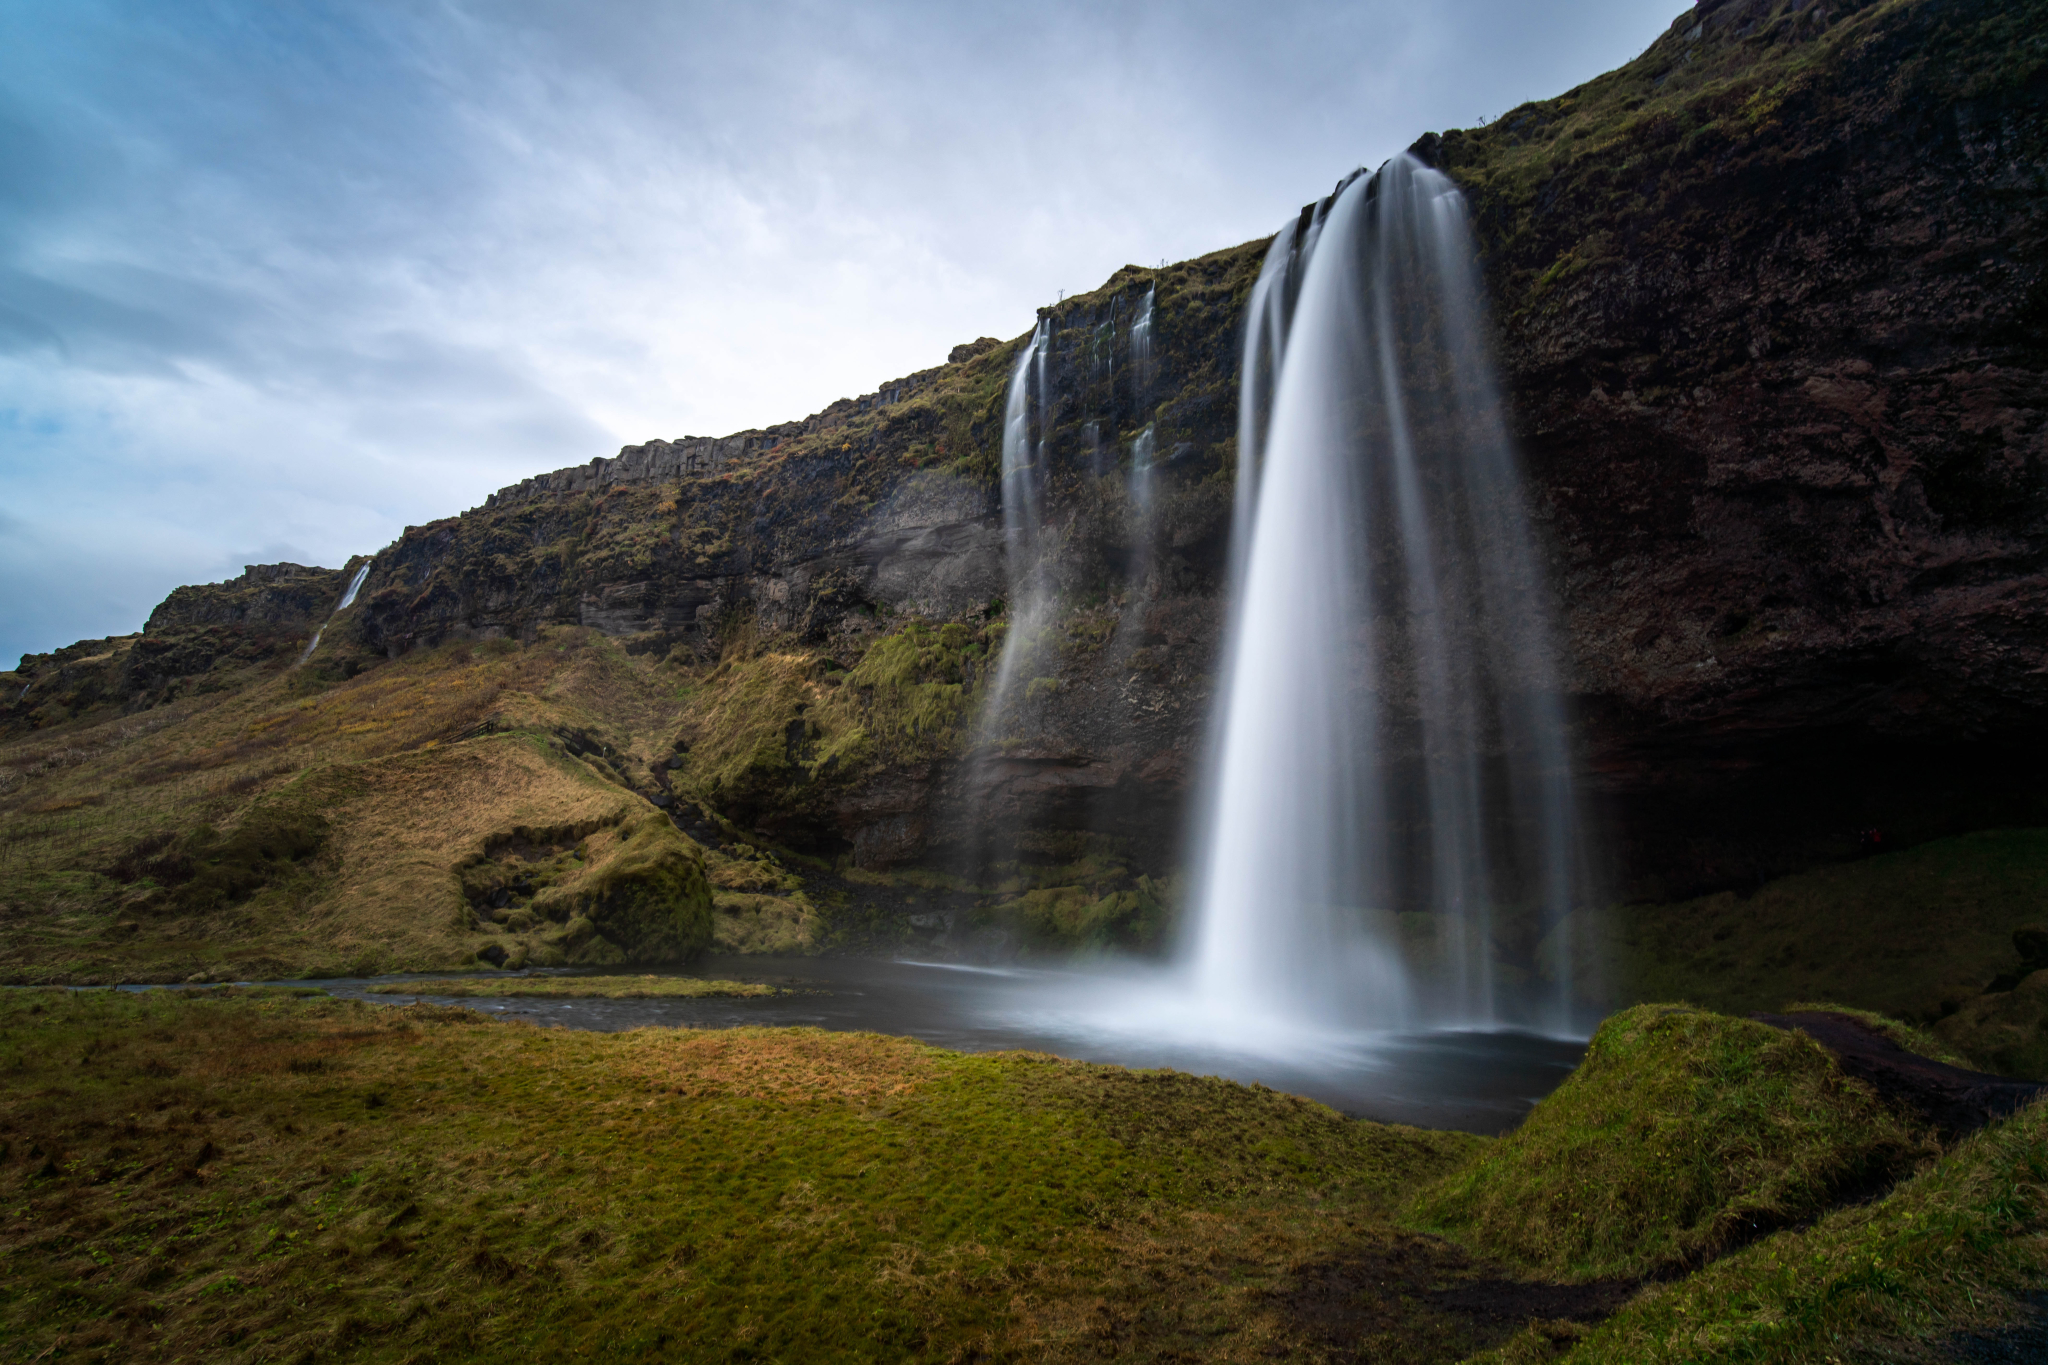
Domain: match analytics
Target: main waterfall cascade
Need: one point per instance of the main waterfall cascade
(1390, 792)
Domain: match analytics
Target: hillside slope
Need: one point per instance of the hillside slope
(1771, 305)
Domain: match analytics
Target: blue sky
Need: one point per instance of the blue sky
(279, 277)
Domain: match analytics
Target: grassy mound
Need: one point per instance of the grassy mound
(1911, 1276)
(1681, 1135)
(645, 894)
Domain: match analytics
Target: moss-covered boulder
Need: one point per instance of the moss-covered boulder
(642, 899)
(1682, 1134)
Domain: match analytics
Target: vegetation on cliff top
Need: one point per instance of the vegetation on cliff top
(1569, 184)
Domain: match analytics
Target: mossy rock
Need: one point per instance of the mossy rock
(1680, 1136)
(1076, 917)
(645, 896)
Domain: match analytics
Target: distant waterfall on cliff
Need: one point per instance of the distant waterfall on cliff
(355, 585)
(1144, 483)
(1390, 783)
(1023, 493)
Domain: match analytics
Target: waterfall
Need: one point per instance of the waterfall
(355, 585)
(1144, 489)
(1389, 779)
(1143, 527)
(1141, 354)
(1023, 494)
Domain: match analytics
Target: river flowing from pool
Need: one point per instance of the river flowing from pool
(1480, 1081)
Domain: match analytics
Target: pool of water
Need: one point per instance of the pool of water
(1480, 1080)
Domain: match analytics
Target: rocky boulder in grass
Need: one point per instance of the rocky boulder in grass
(643, 899)
(1682, 1135)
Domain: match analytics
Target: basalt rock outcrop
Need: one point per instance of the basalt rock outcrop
(1772, 311)
(201, 638)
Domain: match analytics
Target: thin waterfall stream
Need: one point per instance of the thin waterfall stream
(355, 585)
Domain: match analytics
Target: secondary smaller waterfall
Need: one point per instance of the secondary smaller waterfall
(355, 585)
(1389, 774)
(1023, 494)
(1144, 482)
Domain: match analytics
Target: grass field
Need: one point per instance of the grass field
(245, 1176)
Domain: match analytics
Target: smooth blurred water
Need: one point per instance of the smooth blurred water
(1389, 738)
(1480, 1081)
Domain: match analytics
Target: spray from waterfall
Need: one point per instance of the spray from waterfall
(355, 585)
(1390, 778)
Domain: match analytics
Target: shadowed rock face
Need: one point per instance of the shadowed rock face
(1772, 306)
(1783, 397)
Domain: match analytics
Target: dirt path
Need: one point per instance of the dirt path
(1955, 1101)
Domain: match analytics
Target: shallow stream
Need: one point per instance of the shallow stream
(1478, 1080)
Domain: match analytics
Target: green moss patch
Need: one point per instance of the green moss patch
(646, 895)
(1902, 1278)
(1681, 1135)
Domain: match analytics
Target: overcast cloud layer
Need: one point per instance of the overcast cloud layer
(278, 278)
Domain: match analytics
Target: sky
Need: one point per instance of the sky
(279, 278)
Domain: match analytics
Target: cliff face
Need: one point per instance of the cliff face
(1772, 306)
(200, 639)
(1775, 322)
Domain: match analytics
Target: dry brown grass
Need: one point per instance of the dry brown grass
(403, 825)
(390, 757)
(778, 1064)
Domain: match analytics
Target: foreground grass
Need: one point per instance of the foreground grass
(1681, 1135)
(212, 1177)
(598, 987)
(1879, 1281)
(252, 1176)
